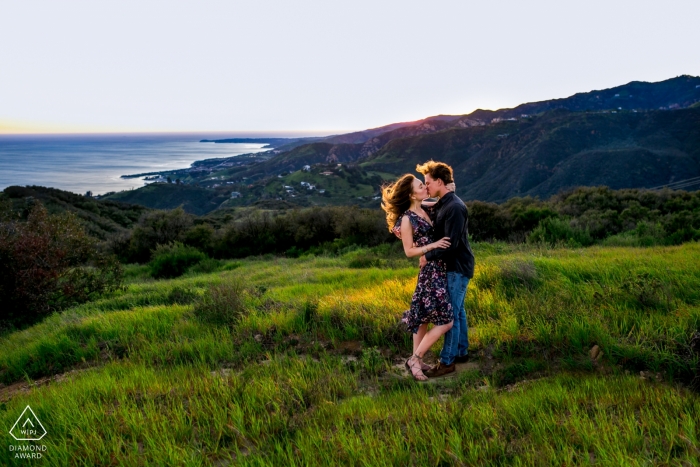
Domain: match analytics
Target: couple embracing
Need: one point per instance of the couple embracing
(437, 233)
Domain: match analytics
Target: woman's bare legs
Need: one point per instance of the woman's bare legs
(417, 338)
(429, 338)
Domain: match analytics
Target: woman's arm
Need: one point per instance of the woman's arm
(407, 240)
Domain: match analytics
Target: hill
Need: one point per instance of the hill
(639, 135)
(541, 156)
(577, 356)
(193, 199)
(674, 93)
(100, 217)
(535, 156)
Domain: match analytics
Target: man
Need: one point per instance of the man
(450, 218)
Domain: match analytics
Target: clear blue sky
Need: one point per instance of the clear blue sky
(320, 66)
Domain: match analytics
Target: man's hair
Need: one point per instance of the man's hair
(436, 170)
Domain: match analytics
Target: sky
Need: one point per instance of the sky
(319, 67)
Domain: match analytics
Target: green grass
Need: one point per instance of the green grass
(311, 374)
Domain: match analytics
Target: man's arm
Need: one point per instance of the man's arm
(455, 219)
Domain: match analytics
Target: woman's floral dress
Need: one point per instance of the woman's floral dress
(431, 300)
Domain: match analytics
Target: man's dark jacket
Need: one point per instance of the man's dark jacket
(450, 219)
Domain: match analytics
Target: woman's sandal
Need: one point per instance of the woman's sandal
(423, 366)
(413, 367)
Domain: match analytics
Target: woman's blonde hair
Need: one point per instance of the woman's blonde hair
(396, 199)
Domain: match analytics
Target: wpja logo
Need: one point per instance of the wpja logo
(28, 428)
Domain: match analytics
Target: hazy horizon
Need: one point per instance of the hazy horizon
(193, 134)
(317, 67)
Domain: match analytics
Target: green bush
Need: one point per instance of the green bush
(153, 229)
(200, 236)
(173, 259)
(644, 234)
(579, 217)
(206, 266)
(553, 231)
(222, 304)
(365, 260)
(48, 263)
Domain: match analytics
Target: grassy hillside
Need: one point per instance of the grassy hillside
(544, 155)
(535, 156)
(311, 373)
(194, 199)
(638, 135)
(100, 217)
(297, 158)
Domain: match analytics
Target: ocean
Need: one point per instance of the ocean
(81, 163)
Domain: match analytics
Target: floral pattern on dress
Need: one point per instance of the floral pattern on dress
(431, 300)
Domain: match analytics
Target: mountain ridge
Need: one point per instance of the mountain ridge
(630, 136)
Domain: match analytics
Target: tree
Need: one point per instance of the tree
(48, 263)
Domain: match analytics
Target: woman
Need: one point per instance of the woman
(405, 216)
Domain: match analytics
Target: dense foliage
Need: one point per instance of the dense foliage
(99, 218)
(580, 217)
(48, 262)
(258, 232)
(173, 259)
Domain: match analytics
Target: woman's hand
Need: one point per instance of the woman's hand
(451, 187)
(442, 243)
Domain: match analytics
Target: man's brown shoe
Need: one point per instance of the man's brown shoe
(439, 370)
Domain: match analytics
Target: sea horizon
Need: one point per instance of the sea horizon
(82, 162)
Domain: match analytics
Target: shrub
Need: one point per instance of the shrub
(362, 226)
(300, 230)
(486, 221)
(253, 235)
(222, 304)
(365, 260)
(88, 282)
(294, 252)
(200, 237)
(644, 234)
(205, 266)
(554, 231)
(48, 263)
(173, 259)
(119, 244)
(157, 228)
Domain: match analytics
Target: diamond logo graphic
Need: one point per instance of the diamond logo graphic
(28, 427)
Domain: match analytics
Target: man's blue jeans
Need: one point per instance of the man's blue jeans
(456, 339)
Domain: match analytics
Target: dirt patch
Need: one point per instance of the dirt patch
(400, 368)
(349, 347)
(9, 392)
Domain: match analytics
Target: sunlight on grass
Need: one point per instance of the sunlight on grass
(155, 385)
